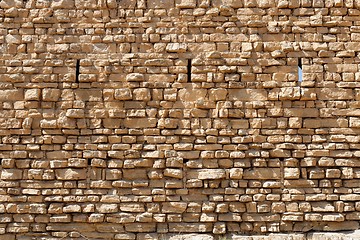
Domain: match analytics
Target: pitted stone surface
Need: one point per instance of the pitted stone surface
(138, 119)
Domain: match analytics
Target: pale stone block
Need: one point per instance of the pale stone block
(262, 173)
(334, 94)
(86, 4)
(63, 4)
(177, 47)
(291, 173)
(135, 77)
(174, 173)
(49, 94)
(204, 174)
(140, 227)
(107, 208)
(132, 207)
(236, 173)
(70, 174)
(247, 94)
(75, 113)
(12, 95)
(11, 174)
(174, 207)
(142, 94)
(140, 122)
(32, 94)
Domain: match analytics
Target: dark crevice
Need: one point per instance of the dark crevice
(189, 70)
(77, 73)
(89, 162)
(300, 71)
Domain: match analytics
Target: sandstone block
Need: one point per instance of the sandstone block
(86, 4)
(123, 94)
(75, 113)
(262, 173)
(63, 4)
(135, 77)
(11, 174)
(11, 95)
(140, 227)
(140, 122)
(190, 227)
(236, 173)
(32, 94)
(291, 173)
(247, 94)
(174, 173)
(132, 207)
(107, 208)
(141, 94)
(204, 174)
(125, 236)
(70, 174)
(174, 207)
(289, 93)
(176, 47)
(50, 95)
(334, 94)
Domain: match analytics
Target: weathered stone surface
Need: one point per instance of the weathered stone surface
(135, 119)
(206, 174)
(262, 173)
(70, 174)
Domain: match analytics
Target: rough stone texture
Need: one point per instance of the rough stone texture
(139, 119)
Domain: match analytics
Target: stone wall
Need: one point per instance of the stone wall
(130, 119)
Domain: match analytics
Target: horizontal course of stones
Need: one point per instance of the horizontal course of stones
(130, 119)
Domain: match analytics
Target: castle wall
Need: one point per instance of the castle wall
(131, 118)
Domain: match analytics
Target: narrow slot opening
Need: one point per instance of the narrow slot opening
(77, 71)
(89, 162)
(300, 71)
(189, 70)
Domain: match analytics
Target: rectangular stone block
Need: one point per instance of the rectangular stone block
(334, 94)
(190, 227)
(70, 174)
(140, 227)
(262, 173)
(247, 94)
(204, 174)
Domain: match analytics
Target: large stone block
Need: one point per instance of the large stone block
(11, 174)
(262, 173)
(70, 174)
(247, 94)
(204, 174)
(63, 4)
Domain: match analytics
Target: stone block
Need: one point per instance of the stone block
(262, 173)
(177, 47)
(70, 174)
(86, 4)
(11, 174)
(141, 94)
(12, 95)
(174, 207)
(32, 94)
(204, 174)
(247, 94)
(63, 4)
(132, 207)
(50, 95)
(75, 113)
(334, 94)
(190, 227)
(140, 227)
(236, 173)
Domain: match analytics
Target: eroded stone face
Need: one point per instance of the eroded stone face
(129, 119)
